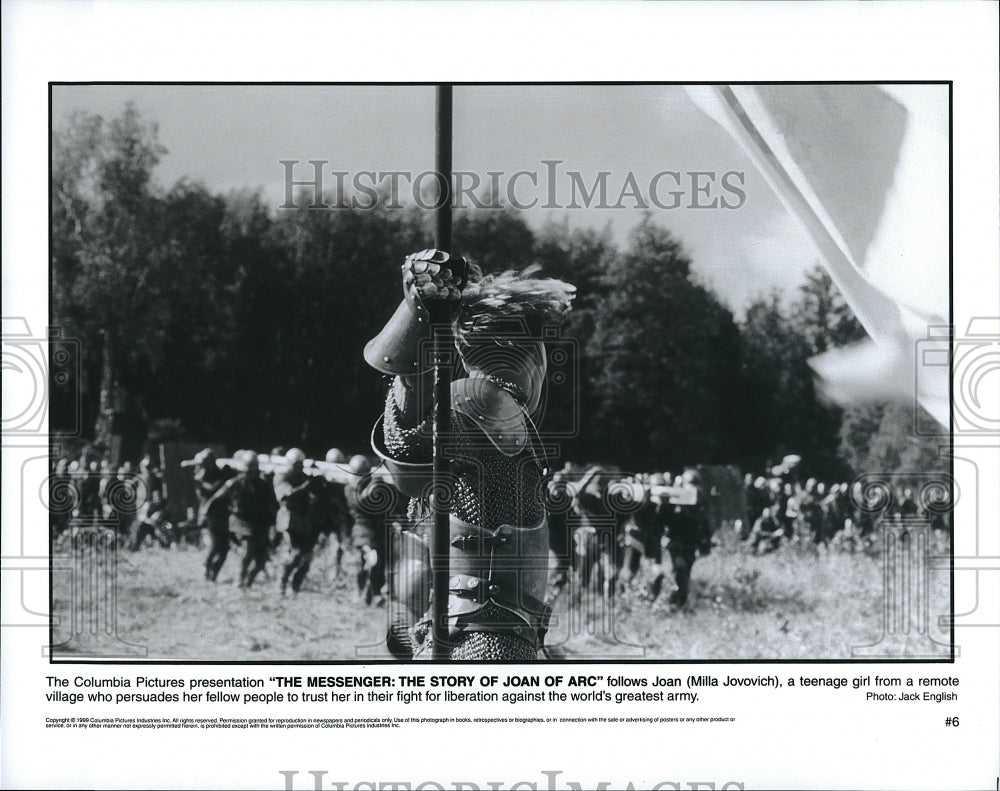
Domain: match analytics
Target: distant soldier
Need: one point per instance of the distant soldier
(105, 488)
(60, 491)
(598, 531)
(213, 511)
(567, 543)
(758, 497)
(152, 483)
(812, 511)
(76, 473)
(269, 472)
(790, 510)
(274, 537)
(767, 532)
(291, 490)
(89, 477)
(863, 516)
(328, 505)
(641, 537)
(941, 525)
(366, 502)
(251, 514)
(126, 503)
(908, 508)
(834, 513)
(151, 519)
(689, 534)
(653, 521)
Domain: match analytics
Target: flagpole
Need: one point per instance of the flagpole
(441, 322)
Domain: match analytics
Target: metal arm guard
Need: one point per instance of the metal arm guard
(396, 350)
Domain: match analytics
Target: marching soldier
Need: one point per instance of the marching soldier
(251, 514)
(60, 490)
(651, 519)
(125, 509)
(637, 530)
(366, 503)
(151, 519)
(688, 533)
(291, 490)
(213, 511)
(329, 505)
(596, 536)
(812, 512)
(499, 537)
(572, 544)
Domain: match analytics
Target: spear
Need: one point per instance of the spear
(441, 322)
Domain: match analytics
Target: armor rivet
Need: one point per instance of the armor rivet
(385, 359)
(455, 582)
(500, 436)
(482, 417)
(494, 589)
(472, 583)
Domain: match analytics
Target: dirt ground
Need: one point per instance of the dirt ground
(796, 603)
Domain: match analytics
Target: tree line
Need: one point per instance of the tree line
(218, 319)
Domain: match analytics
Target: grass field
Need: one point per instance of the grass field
(791, 604)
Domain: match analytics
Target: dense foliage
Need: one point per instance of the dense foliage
(217, 318)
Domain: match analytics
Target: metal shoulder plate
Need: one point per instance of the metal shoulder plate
(494, 411)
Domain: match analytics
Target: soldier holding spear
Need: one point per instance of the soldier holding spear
(475, 590)
(497, 535)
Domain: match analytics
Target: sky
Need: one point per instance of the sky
(233, 137)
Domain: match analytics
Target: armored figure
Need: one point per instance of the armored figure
(645, 538)
(151, 518)
(598, 526)
(213, 514)
(251, 514)
(292, 493)
(367, 502)
(689, 534)
(328, 505)
(498, 534)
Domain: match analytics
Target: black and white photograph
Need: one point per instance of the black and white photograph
(500, 396)
(685, 417)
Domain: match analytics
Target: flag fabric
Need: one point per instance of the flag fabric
(864, 170)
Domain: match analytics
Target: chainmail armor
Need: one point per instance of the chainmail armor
(490, 646)
(484, 496)
(483, 492)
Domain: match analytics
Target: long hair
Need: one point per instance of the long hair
(493, 304)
